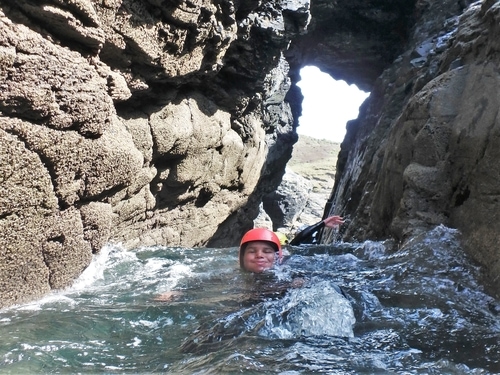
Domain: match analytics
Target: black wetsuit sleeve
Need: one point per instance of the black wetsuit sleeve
(306, 235)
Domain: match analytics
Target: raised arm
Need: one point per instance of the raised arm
(306, 235)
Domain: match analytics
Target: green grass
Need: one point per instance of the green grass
(316, 160)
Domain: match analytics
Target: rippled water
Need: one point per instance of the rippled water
(416, 311)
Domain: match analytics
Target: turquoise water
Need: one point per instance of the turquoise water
(417, 311)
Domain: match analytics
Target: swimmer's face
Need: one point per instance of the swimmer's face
(259, 256)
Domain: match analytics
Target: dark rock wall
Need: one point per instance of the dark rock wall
(424, 150)
(354, 40)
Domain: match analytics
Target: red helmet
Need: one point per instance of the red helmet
(260, 234)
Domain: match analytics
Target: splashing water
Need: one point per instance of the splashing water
(357, 308)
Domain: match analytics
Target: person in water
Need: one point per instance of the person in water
(260, 248)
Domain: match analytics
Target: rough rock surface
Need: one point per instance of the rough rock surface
(139, 122)
(149, 122)
(425, 148)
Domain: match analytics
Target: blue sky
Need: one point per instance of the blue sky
(328, 104)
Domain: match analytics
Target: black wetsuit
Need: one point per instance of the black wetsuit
(308, 235)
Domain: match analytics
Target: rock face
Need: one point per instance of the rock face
(149, 122)
(137, 122)
(425, 148)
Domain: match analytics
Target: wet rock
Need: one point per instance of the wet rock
(423, 151)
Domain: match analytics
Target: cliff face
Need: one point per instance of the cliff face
(150, 122)
(425, 148)
(140, 122)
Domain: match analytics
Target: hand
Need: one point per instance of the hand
(333, 221)
(168, 296)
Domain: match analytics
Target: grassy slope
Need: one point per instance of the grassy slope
(316, 160)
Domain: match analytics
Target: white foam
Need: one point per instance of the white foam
(95, 270)
(174, 275)
(316, 310)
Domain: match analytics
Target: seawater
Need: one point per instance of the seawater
(358, 308)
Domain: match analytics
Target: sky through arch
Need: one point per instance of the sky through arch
(327, 105)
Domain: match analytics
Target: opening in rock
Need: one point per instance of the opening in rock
(301, 198)
(327, 105)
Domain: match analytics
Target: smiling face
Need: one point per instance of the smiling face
(258, 256)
